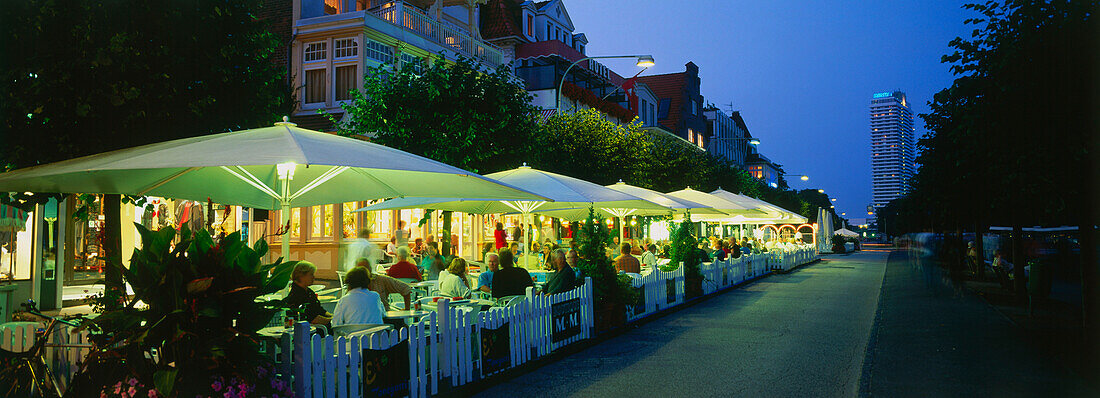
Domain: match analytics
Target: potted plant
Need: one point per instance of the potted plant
(684, 249)
(611, 291)
(190, 328)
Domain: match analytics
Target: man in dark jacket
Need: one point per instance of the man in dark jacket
(510, 280)
(564, 279)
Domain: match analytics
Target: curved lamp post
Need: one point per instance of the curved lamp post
(644, 61)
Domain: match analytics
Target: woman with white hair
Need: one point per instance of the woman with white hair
(303, 298)
(404, 268)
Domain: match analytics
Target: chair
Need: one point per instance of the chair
(358, 329)
(509, 301)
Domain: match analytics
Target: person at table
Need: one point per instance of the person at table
(485, 279)
(403, 268)
(514, 248)
(565, 279)
(360, 305)
(746, 247)
(649, 257)
(453, 282)
(386, 285)
(500, 239)
(720, 254)
(510, 280)
(426, 262)
(573, 258)
(303, 298)
(391, 249)
(360, 247)
(626, 262)
(418, 247)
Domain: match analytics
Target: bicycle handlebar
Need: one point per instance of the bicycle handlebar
(32, 307)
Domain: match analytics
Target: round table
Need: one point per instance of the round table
(405, 316)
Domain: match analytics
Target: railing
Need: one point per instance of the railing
(413, 20)
(454, 345)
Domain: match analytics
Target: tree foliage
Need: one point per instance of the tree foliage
(1012, 140)
(84, 77)
(453, 112)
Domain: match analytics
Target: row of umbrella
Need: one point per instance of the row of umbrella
(284, 166)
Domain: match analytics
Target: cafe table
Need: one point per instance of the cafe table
(407, 317)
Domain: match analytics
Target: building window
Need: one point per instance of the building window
(349, 220)
(315, 51)
(531, 25)
(548, 37)
(315, 86)
(346, 78)
(691, 136)
(345, 48)
(320, 222)
(378, 51)
(412, 61)
(641, 109)
(652, 114)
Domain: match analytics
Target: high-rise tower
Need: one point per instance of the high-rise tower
(893, 147)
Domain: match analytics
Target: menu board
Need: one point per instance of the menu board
(566, 318)
(386, 372)
(495, 353)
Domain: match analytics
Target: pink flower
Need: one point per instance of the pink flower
(133, 382)
(153, 393)
(132, 391)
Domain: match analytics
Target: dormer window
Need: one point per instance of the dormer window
(530, 25)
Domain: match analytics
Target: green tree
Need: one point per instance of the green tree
(588, 146)
(453, 112)
(1012, 141)
(84, 77)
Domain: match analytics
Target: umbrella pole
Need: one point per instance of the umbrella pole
(526, 233)
(285, 245)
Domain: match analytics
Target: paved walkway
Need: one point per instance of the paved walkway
(802, 334)
(931, 339)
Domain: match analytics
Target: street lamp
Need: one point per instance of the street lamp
(833, 199)
(644, 61)
(821, 191)
(751, 140)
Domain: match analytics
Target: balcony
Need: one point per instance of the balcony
(399, 19)
(452, 37)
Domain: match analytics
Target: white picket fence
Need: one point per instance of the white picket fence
(446, 347)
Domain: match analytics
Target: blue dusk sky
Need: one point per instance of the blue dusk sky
(802, 73)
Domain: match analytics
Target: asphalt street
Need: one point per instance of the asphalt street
(798, 334)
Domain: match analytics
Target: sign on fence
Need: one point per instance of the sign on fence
(566, 317)
(495, 354)
(639, 307)
(670, 290)
(386, 372)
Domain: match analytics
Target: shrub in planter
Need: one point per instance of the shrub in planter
(611, 292)
(196, 333)
(685, 249)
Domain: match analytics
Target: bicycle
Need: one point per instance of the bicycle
(26, 374)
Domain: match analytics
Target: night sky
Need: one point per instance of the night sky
(801, 73)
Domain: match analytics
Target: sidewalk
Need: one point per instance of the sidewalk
(931, 338)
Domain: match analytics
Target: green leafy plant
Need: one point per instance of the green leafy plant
(194, 311)
(684, 248)
(607, 285)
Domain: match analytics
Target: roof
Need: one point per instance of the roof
(736, 116)
(501, 18)
(668, 86)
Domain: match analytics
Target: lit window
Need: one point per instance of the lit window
(349, 220)
(321, 222)
(315, 86)
(530, 25)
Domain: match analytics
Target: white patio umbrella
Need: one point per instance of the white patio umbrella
(670, 203)
(562, 192)
(847, 232)
(267, 168)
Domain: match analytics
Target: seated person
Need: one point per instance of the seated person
(746, 247)
(386, 285)
(510, 280)
(391, 248)
(403, 268)
(304, 299)
(626, 262)
(564, 279)
(485, 279)
(426, 262)
(418, 247)
(649, 258)
(720, 254)
(453, 282)
(359, 305)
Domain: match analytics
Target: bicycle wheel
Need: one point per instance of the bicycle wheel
(24, 375)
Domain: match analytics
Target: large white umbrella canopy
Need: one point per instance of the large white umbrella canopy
(772, 214)
(847, 232)
(268, 168)
(562, 192)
